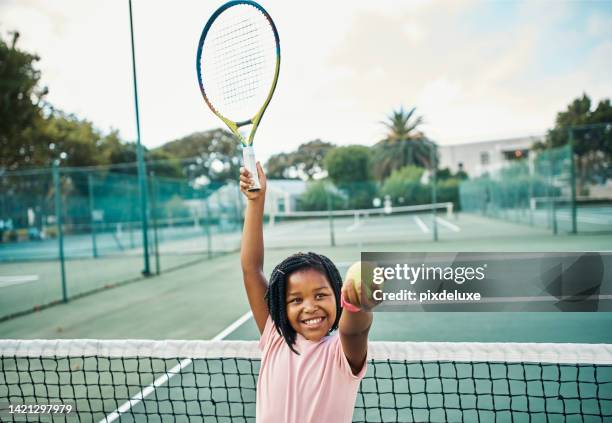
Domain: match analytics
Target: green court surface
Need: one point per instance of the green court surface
(200, 300)
(206, 300)
(29, 285)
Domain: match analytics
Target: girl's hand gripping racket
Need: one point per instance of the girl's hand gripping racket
(238, 64)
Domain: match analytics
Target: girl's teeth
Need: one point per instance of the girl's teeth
(313, 321)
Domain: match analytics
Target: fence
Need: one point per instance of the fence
(67, 232)
(566, 188)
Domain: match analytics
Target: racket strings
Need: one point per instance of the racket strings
(234, 28)
(238, 62)
(238, 54)
(241, 71)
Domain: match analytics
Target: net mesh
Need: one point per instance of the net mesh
(216, 381)
(357, 227)
(238, 62)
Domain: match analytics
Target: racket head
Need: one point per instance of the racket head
(238, 62)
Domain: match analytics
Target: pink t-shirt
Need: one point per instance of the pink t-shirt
(316, 386)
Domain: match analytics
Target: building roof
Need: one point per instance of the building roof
(517, 141)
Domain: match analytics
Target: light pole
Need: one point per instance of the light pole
(142, 175)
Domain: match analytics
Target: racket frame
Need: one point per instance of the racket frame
(248, 155)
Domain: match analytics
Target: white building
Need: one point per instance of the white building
(282, 195)
(476, 158)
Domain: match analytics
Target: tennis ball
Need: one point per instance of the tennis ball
(361, 273)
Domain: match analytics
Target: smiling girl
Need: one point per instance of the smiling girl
(309, 371)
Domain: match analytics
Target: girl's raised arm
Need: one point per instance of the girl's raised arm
(252, 247)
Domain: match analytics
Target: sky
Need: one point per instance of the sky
(475, 70)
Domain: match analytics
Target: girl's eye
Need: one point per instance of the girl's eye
(296, 301)
(320, 296)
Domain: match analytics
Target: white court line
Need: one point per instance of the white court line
(162, 380)
(593, 220)
(17, 280)
(356, 224)
(449, 225)
(421, 224)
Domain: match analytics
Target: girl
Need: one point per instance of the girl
(307, 374)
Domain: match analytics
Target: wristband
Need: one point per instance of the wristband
(348, 306)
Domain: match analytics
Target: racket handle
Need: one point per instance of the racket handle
(248, 157)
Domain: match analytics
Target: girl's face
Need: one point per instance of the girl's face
(311, 304)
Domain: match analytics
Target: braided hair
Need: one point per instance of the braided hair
(276, 294)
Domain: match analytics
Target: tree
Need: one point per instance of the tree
(216, 153)
(592, 139)
(346, 165)
(403, 145)
(75, 141)
(32, 132)
(279, 166)
(21, 102)
(349, 168)
(164, 164)
(304, 163)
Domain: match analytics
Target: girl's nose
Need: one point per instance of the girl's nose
(309, 306)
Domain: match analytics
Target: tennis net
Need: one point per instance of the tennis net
(357, 226)
(216, 381)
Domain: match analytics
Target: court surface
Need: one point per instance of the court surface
(206, 299)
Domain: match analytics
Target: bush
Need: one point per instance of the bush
(316, 197)
(404, 186)
(448, 191)
(360, 194)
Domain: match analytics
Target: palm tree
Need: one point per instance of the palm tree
(403, 145)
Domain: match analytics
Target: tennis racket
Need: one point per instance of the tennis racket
(238, 64)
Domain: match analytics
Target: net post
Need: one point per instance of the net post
(153, 187)
(570, 136)
(59, 224)
(552, 207)
(94, 244)
(554, 198)
(434, 193)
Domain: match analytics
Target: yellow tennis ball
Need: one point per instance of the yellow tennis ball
(361, 274)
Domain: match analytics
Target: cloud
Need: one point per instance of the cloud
(474, 69)
(599, 26)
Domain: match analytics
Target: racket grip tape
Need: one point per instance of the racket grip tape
(248, 157)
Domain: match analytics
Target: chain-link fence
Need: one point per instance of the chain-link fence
(565, 184)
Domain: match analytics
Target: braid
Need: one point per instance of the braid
(276, 294)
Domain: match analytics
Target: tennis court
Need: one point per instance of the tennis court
(206, 301)
(121, 294)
